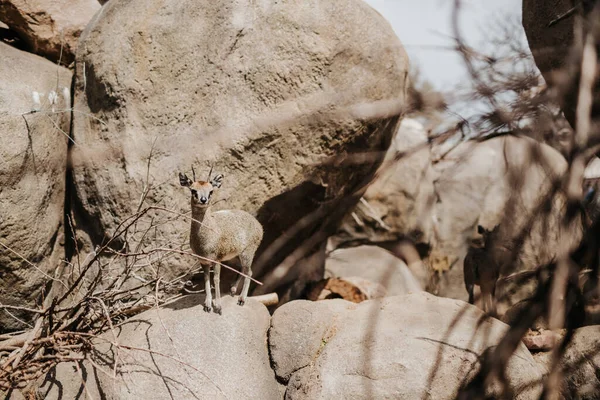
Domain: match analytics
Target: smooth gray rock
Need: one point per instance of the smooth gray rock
(387, 348)
(33, 158)
(193, 355)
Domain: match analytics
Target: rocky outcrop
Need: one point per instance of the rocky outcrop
(403, 193)
(551, 45)
(411, 346)
(398, 347)
(262, 92)
(49, 28)
(32, 176)
(400, 199)
(479, 183)
(471, 184)
(580, 365)
(180, 352)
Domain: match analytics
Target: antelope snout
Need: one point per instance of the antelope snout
(203, 200)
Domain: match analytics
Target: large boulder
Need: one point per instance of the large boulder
(180, 352)
(32, 176)
(552, 46)
(580, 365)
(497, 180)
(411, 346)
(264, 92)
(49, 28)
(374, 264)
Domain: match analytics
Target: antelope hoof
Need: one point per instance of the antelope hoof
(241, 302)
(233, 291)
(218, 310)
(207, 308)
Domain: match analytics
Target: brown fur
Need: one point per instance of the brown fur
(482, 266)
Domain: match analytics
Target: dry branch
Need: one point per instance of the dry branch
(97, 294)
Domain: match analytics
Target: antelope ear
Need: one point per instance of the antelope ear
(217, 181)
(184, 180)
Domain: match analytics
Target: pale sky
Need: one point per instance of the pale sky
(425, 25)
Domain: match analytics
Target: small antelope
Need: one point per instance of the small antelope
(481, 267)
(220, 236)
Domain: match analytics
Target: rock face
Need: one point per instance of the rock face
(403, 193)
(374, 264)
(582, 361)
(386, 348)
(185, 354)
(32, 175)
(260, 91)
(470, 185)
(402, 196)
(583, 357)
(550, 45)
(47, 26)
(474, 187)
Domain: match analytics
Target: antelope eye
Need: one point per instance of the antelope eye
(210, 194)
(194, 192)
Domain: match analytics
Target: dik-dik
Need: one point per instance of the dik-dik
(482, 267)
(220, 236)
